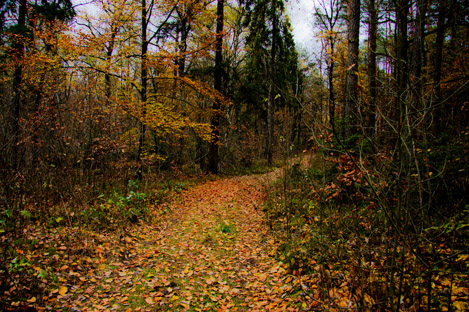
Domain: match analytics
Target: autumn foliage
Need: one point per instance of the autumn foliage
(113, 112)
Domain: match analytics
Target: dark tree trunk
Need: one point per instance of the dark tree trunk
(182, 45)
(218, 73)
(271, 103)
(143, 90)
(437, 69)
(401, 77)
(107, 75)
(401, 66)
(351, 102)
(372, 79)
(17, 82)
(418, 49)
(330, 76)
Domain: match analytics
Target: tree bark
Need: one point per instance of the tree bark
(17, 82)
(401, 66)
(183, 30)
(214, 159)
(401, 74)
(330, 76)
(351, 102)
(418, 55)
(107, 75)
(437, 69)
(372, 79)
(143, 89)
(271, 103)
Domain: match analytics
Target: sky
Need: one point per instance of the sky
(301, 19)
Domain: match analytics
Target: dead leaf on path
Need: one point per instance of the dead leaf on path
(224, 289)
(210, 280)
(149, 300)
(63, 290)
(262, 277)
(185, 305)
(32, 300)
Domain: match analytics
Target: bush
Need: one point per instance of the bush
(343, 227)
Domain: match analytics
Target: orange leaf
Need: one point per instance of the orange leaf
(63, 290)
(210, 280)
(149, 300)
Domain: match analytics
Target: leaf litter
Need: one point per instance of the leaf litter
(212, 252)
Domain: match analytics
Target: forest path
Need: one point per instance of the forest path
(213, 252)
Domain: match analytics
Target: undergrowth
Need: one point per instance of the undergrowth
(339, 231)
(35, 238)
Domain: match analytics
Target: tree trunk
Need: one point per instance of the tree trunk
(401, 66)
(330, 76)
(351, 99)
(107, 75)
(372, 79)
(271, 103)
(401, 160)
(437, 70)
(143, 90)
(418, 56)
(218, 73)
(17, 82)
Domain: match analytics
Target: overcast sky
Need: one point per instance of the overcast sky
(301, 18)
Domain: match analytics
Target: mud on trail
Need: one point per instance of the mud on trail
(212, 252)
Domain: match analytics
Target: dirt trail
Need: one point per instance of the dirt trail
(213, 253)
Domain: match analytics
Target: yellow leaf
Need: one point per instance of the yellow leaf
(460, 306)
(63, 290)
(32, 300)
(368, 299)
(262, 277)
(149, 300)
(210, 280)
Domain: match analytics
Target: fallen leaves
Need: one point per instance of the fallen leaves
(212, 252)
(63, 290)
(150, 300)
(210, 281)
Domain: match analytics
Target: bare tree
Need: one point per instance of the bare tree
(328, 18)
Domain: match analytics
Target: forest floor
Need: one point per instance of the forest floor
(210, 251)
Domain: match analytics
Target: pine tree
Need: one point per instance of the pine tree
(272, 64)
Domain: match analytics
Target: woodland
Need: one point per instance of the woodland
(185, 155)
